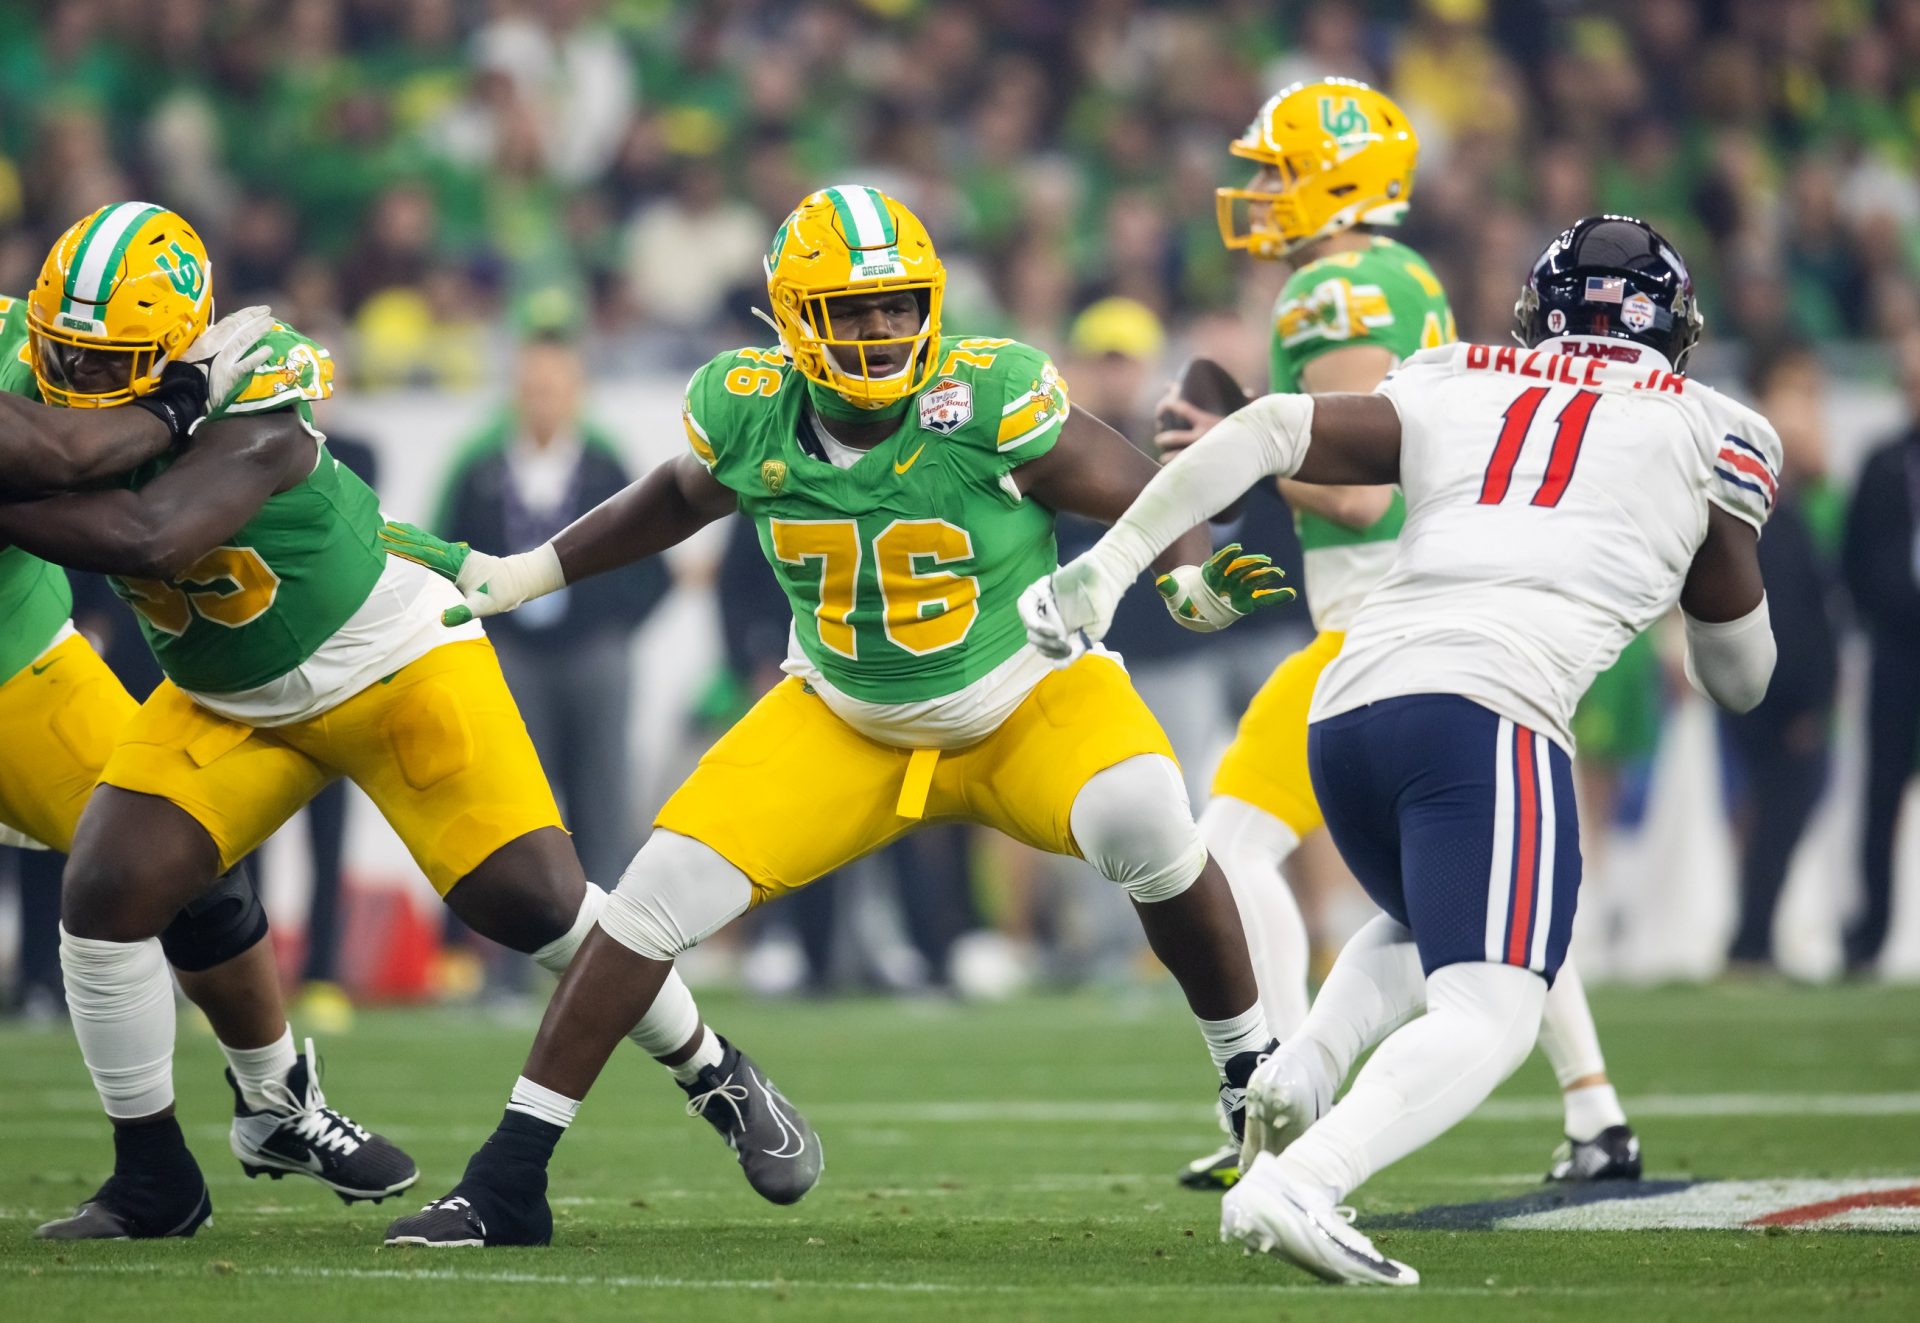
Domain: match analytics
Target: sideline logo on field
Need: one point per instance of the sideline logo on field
(1868, 1203)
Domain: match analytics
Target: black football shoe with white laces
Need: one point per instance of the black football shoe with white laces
(156, 1191)
(776, 1147)
(1219, 1169)
(299, 1134)
(1611, 1155)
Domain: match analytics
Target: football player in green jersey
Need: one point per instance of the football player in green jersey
(1336, 163)
(61, 710)
(296, 651)
(903, 483)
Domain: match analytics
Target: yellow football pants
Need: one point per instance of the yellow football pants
(59, 718)
(438, 746)
(793, 792)
(1266, 765)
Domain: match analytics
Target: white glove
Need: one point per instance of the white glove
(1070, 610)
(229, 350)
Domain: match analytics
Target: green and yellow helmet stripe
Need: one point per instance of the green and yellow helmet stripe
(863, 216)
(98, 256)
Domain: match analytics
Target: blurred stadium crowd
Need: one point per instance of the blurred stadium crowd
(450, 192)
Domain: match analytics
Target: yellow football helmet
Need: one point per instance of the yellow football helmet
(848, 241)
(124, 290)
(1344, 154)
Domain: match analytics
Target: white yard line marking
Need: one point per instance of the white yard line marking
(622, 1281)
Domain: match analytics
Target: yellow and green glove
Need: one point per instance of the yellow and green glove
(1231, 584)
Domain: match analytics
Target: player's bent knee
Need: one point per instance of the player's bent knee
(1132, 823)
(675, 894)
(1503, 1002)
(108, 901)
(224, 923)
(556, 955)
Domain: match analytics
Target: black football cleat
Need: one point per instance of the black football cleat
(777, 1149)
(303, 1136)
(133, 1209)
(1217, 1170)
(1611, 1155)
(474, 1215)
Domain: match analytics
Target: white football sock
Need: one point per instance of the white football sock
(1376, 985)
(670, 1022)
(542, 1103)
(1250, 844)
(1481, 1021)
(1227, 1039)
(256, 1067)
(707, 1054)
(1567, 1034)
(121, 1000)
(1591, 1109)
(556, 955)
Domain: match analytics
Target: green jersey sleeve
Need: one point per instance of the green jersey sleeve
(1384, 295)
(1031, 402)
(16, 354)
(296, 373)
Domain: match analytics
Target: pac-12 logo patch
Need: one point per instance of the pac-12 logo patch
(947, 407)
(1637, 312)
(773, 476)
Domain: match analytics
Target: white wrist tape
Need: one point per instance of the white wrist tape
(1269, 436)
(1731, 661)
(509, 581)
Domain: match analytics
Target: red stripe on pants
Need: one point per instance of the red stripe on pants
(1526, 857)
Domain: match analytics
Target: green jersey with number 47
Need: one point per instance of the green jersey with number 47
(1384, 295)
(905, 568)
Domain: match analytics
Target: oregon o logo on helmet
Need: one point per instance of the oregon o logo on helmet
(185, 273)
(1342, 116)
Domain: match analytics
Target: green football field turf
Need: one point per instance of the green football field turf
(996, 1162)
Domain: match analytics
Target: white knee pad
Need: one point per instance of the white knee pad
(556, 955)
(1133, 824)
(675, 894)
(121, 999)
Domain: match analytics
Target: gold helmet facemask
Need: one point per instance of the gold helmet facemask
(848, 242)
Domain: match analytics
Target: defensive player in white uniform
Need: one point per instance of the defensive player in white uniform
(1561, 497)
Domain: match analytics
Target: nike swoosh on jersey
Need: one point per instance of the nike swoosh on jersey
(900, 468)
(44, 665)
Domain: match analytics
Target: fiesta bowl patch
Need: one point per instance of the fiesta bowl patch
(947, 407)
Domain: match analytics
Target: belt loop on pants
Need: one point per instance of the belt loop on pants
(916, 783)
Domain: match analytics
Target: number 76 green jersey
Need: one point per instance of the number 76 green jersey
(903, 570)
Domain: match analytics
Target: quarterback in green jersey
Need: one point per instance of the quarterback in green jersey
(1336, 163)
(904, 484)
(296, 651)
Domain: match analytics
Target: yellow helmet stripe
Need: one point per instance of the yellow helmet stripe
(97, 258)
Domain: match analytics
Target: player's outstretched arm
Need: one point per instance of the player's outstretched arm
(156, 532)
(661, 510)
(1730, 646)
(1340, 439)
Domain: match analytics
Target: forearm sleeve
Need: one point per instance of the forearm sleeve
(1269, 436)
(1731, 662)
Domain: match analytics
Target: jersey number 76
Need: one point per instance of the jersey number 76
(1570, 430)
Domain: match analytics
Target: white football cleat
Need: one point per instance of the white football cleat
(1296, 1221)
(1289, 1091)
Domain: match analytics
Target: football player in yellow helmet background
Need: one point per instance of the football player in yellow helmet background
(1335, 164)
